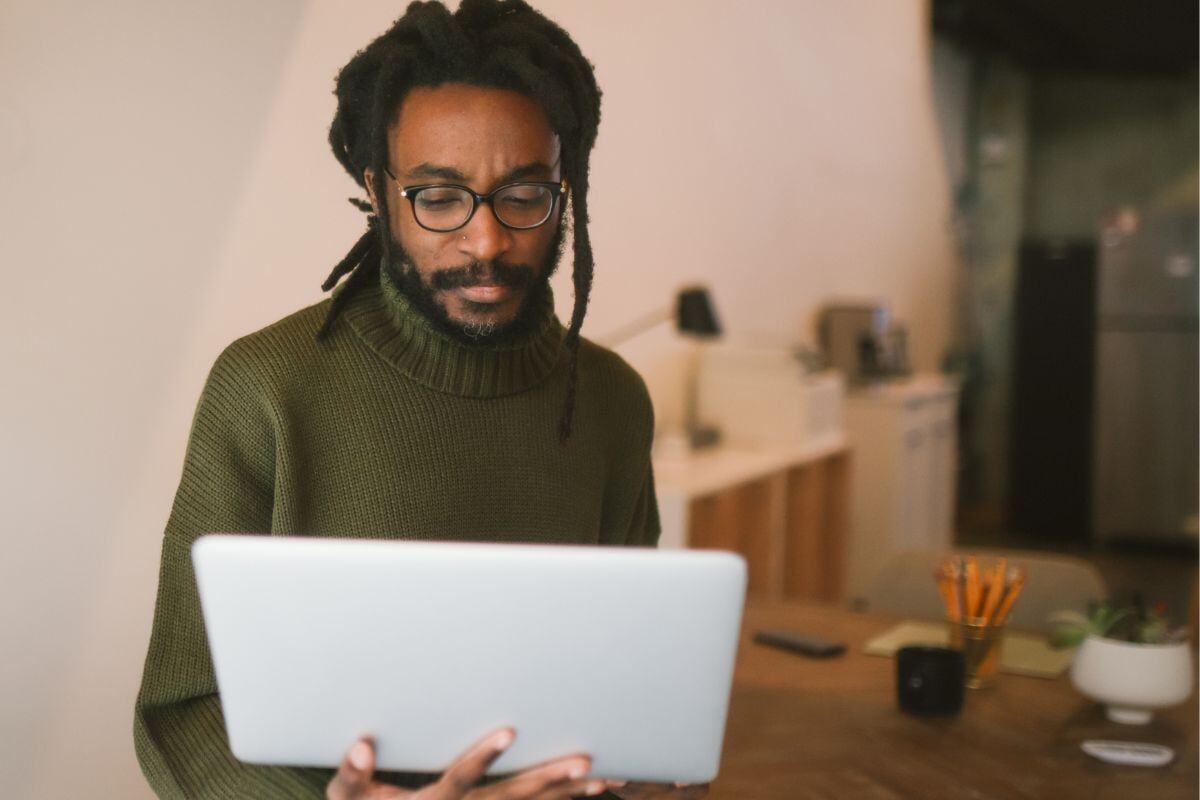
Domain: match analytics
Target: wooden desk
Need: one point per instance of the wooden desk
(804, 728)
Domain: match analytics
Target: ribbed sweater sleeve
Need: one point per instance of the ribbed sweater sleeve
(179, 730)
(645, 528)
(637, 523)
(631, 504)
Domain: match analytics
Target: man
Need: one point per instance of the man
(435, 396)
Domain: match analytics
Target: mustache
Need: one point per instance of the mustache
(478, 273)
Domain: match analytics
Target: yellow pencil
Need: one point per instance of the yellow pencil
(955, 598)
(972, 587)
(995, 589)
(959, 574)
(944, 590)
(963, 594)
(947, 590)
(1015, 582)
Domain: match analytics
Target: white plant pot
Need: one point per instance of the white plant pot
(1132, 680)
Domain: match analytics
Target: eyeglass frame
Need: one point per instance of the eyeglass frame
(558, 189)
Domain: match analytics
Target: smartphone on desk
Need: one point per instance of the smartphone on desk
(801, 643)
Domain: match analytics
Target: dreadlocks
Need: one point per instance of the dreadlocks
(501, 44)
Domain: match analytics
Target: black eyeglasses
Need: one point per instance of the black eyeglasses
(445, 207)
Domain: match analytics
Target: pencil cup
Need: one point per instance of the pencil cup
(980, 646)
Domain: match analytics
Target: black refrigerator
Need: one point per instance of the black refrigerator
(1051, 430)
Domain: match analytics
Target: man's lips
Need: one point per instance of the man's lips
(485, 293)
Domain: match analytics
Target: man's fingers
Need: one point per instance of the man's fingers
(353, 777)
(550, 781)
(639, 790)
(585, 788)
(469, 768)
(572, 789)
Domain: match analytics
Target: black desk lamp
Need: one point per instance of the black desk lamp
(694, 317)
(694, 313)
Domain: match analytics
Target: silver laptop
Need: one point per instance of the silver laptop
(624, 654)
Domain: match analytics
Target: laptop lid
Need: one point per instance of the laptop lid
(621, 653)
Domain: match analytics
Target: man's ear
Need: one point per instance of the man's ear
(369, 181)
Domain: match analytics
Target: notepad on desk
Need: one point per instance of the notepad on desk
(1020, 653)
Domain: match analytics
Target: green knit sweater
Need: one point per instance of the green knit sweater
(386, 429)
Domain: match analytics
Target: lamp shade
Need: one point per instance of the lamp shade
(694, 313)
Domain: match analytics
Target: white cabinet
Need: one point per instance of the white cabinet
(904, 437)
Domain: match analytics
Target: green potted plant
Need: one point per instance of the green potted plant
(1129, 658)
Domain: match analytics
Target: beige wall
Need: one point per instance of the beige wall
(790, 154)
(128, 131)
(167, 187)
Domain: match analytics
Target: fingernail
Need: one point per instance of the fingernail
(594, 788)
(360, 756)
(618, 784)
(503, 740)
(577, 771)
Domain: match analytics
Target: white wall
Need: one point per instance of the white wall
(167, 187)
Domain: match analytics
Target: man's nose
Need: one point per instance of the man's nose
(484, 238)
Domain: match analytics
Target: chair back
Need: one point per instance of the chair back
(905, 586)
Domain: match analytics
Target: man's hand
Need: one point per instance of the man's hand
(555, 780)
(663, 791)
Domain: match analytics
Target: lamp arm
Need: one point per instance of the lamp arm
(638, 326)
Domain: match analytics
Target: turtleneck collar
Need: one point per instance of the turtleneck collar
(386, 320)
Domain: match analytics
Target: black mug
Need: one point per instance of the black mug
(929, 680)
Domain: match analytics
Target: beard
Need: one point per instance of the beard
(423, 292)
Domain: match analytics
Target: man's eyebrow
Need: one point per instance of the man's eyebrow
(435, 171)
(532, 169)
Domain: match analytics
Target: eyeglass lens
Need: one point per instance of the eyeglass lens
(520, 205)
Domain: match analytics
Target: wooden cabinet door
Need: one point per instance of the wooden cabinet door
(791, 526)
(816, 529)
(744, 519)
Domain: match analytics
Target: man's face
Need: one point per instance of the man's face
(481, 277)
